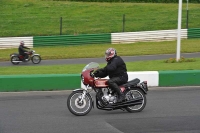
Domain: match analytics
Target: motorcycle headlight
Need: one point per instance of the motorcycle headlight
(82, 78)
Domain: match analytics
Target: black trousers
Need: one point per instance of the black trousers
(25, 56)
(114, 83)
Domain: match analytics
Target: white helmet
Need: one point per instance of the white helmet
(22, 43)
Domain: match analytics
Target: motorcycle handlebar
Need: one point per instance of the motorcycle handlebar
(92, 74)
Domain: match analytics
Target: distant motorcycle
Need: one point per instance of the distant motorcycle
(16, 58)
(80, 101)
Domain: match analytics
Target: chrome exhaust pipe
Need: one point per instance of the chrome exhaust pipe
(16, 61)
(126, 103)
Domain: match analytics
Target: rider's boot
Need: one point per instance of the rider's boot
(112, 84)
(121, 97)
(120, 94)
(26, 57)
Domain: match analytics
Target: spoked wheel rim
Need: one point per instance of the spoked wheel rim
(36, 59)
(133, 95)
(77, 106)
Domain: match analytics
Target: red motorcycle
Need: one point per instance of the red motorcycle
(80, 101)
(16, 58)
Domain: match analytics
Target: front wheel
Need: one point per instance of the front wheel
(36, 59)
(133, 95)
(77, 105)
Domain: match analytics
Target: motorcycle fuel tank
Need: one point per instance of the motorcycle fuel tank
(101, 83)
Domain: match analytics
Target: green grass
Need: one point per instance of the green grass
(41, 17)
(97, 50)
(75, 69)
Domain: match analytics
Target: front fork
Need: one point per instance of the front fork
(83, 96)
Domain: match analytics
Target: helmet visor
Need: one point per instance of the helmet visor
(107, 54)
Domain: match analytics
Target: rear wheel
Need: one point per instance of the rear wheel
(134, 95)
(13, 59)
(36, 59)
(78, 107)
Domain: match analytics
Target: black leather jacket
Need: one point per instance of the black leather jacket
(114, 68)
(21, 49)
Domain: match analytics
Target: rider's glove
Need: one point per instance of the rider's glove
(96, 73)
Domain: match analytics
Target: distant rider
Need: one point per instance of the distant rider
(116, 70)
(22, 50)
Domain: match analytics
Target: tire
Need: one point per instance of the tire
(79, 108)
(14, 58)
(36, 59)
(137, 93)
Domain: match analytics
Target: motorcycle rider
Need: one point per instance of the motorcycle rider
(22, 50)
(116, 70)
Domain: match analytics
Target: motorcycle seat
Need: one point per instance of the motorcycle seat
(133, 82)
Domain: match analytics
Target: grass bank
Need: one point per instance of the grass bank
(155, 65)
(41, 17)
(97, 50)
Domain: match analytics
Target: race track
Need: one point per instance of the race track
(168, 110)
(101, 60)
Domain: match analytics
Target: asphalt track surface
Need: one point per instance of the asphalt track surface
(102, 60)
(168, 110)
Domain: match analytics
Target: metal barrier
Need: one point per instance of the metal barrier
(113, 38)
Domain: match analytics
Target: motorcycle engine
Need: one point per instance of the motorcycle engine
(107, 97)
